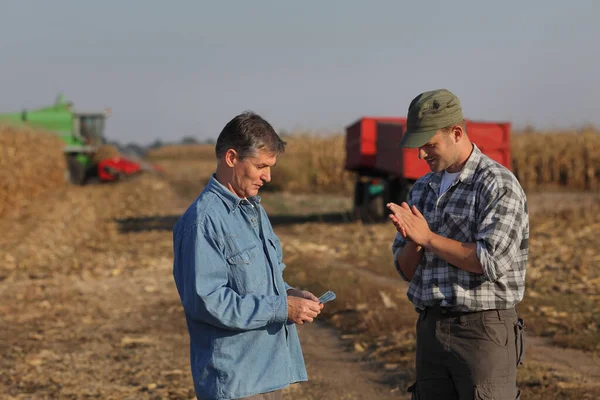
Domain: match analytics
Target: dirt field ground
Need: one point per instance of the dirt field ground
(88, 308)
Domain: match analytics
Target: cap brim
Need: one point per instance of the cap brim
(413, 140)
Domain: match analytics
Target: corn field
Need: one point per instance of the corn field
(315, 163)
(32, 163)
(561, 159)
(179, 152)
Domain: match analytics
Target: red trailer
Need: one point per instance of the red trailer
(385, 172)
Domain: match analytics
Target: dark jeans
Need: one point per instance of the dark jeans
(468, 356)
(276, 395)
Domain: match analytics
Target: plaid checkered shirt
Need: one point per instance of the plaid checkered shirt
(484, 205)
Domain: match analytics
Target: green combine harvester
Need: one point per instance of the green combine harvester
(82, 133)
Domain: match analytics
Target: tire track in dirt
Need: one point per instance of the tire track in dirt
(337, 373)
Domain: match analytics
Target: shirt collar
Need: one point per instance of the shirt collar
(468, 172)
(231, 200)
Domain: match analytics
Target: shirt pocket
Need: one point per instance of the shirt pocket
(248, 270)
(459, 227)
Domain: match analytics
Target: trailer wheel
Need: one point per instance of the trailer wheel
(76, 171)
(398, 190)
(367, 208)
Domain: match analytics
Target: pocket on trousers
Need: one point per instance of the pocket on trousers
(497, 391)
(520, 341)
(496, 331)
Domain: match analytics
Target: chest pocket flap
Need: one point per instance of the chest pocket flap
(248, 269)
(244, 257)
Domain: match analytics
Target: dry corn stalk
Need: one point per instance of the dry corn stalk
(565, 159)
(31, 164)
(314, 162)
(197, 152)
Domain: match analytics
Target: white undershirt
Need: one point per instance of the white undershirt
(447, 180)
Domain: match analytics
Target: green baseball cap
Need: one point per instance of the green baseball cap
(428, 113)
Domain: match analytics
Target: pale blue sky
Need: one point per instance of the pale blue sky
(170, 69)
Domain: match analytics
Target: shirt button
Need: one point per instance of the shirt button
(252, 220)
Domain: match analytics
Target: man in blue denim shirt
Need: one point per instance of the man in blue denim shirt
(228, 266)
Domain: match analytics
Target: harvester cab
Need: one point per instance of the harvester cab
(87, 136)
(91, 127)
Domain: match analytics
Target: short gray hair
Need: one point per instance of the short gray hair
(248, 133)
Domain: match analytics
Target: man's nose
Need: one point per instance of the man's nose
(267, 175)
(422, 153)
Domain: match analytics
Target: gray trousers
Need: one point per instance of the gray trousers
(276, 395)
(468, 356)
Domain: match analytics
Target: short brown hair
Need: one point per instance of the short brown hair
(448, 129)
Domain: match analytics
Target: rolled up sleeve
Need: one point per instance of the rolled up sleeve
(499, 234)
(397, 246)
(201, 276)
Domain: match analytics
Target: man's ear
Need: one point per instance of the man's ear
(231, 157)
(457, 133)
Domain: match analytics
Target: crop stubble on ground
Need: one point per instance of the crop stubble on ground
(89, 309)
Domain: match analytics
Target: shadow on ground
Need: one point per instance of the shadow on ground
(167, 222)
(145, 224)
(328, 218)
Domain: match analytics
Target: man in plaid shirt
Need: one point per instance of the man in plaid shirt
(462, 243)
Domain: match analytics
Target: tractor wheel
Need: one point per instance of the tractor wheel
(75, 171)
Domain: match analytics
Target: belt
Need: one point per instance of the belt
(446, 312)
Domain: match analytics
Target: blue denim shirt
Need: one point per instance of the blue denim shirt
(228, 271)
